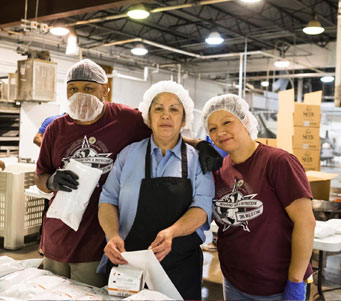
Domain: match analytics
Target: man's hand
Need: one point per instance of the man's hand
(210, 159)
(294, 291)
(113, 250)
(65, 180)
(162, 244)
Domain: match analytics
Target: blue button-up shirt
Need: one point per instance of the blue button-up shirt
(122, 187)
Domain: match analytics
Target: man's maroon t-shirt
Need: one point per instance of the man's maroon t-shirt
(95, 145)
(254, 237)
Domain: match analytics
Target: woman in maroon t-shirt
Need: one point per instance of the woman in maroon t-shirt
(262, 207)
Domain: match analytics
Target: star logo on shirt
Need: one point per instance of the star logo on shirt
(235, 209)
(87, 154)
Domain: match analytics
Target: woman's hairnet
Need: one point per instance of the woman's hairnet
(86, 70)
(234, 105)
(169, 87)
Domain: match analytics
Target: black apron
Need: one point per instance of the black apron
(162, 202)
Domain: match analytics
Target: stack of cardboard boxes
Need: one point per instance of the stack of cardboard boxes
(298, 132)
(299, 127)
(306, 139)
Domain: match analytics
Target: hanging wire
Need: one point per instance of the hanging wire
(26, 9)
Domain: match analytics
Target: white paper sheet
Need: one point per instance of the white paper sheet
(155, 275)
(70, 206)
(148, 295)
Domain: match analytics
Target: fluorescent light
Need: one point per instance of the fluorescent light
(313, 28)
(265, 83)
(59, 30)
(139, 49)
(138, 12)
(72, 46)
(282, 63)
(214, 38)
(327, 79)
(251, 1)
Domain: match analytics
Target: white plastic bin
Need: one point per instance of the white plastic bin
(20, 215)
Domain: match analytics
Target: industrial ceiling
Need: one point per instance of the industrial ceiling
(175, 31)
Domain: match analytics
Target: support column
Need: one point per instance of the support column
(179, 73)
(245, 60)
(337, 99)
(299, 90)
(240, 90)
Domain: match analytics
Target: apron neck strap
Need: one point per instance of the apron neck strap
(184, 165)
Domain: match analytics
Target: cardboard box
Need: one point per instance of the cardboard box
(262, 140)
(285, 119)
(307, 115)
(310, 159)
(306, 138)
(320, 184)
(313, 98)
(12, 85)
(36, 80)
(125, 281)
(268, 141)
(285, 122)
(272, 142)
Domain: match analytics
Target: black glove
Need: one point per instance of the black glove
(64, 180)
(210, 159)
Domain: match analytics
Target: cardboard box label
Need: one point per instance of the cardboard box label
(306, 138)
(310, 159)
(307, 115)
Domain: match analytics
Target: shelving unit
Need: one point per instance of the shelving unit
(9, 129)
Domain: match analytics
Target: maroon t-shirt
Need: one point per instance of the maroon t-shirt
(96, 145)
(254, 237)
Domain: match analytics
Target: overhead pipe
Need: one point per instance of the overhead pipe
(119, 75)
(153, 11)
(203, 57)
(296, 75)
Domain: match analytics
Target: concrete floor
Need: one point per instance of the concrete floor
(212, 288)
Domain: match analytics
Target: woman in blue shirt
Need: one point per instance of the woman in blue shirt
(156, 195)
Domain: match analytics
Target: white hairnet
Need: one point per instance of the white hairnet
(170, 87)
(234, 105)
(86, 70)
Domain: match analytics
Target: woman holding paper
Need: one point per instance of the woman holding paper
(262, 207)
(156, 195)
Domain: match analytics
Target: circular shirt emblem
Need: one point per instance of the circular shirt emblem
(92, 140)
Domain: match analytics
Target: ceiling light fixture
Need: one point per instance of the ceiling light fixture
(139, 49)
(327, 79)
(282, 63)
(265, 83)
(138, 12)
(72, 47)
(59, 30)
(314, 27)
(214, 38)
